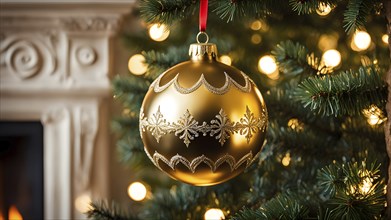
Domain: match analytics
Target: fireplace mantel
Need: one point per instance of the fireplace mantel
(55, 67)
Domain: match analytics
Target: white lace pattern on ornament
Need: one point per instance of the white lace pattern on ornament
(192, 165)
(202, 81)
(187, 128)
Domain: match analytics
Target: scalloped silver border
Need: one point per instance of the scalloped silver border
(192, 165)
(202, 81)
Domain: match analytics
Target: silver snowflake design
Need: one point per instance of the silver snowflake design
(188, 128)
(157, 125)
(222, 126)
(248, 125)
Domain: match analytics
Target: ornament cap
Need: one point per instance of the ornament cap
(203, 51)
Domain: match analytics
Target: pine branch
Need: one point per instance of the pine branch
(356, 14)
(158, 62)
(358, 189)
(346, 93)
(284, 206)
(294, 59)
(230, 9)
(102, 211)
(309, 6)
(167, 11)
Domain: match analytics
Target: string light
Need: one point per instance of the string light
(137, 191)
(267, 64)
(366, 185)
(331, 58)
(323, 9)
(82, 203)
(226, 60)
(361, 41)
(374, 115)
(295, 124)
(286, 160)
(214, 214)
(159, 32)
(136, 64)
(384, 38)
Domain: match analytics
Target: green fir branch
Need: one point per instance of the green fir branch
(346, 93)
(166, 11)
(310, 6)
(230, 9)
(102, 211)
(158, 62)
(284, 206)
(294, 58)
(356, 13)
(355, 190)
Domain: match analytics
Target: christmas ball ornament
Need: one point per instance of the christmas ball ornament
(203, 122)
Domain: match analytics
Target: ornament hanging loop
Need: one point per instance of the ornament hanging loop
(200, 34)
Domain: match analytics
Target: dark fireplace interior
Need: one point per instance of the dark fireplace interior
(21, 169)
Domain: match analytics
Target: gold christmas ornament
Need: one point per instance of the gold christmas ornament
(203, 122)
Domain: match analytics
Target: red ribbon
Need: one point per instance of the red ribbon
(203, 14)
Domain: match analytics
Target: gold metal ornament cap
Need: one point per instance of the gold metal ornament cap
(203, 51)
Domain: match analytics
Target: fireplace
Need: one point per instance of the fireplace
(21, 169)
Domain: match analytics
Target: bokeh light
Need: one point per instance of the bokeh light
(323, 9)
(384, 38)
(214, 214)
(226, 60)
(82, 203)
(361, 41)
(286, 160)
(267, 64)
(256, 25)
(159, 32)
(136, 64)
(256, 39)
(137, 191)
(331, 58)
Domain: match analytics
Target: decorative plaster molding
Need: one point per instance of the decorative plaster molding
(26, 55)
(90, 23)
(86, 55)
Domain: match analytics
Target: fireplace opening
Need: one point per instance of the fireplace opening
(21, 170)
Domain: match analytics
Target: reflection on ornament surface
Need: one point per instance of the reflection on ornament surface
(216, 127)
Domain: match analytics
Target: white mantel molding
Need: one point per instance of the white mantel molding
(55, 67)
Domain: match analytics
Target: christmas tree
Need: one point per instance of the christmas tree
(321, 66)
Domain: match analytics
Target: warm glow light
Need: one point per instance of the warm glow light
(295, 124)
(267, 64)
(256, 39)
(331, 58)
(214, 214)
(366, 186)
(374, 115)
(137, 191)
(384, 38)
(286, 160)
(361, 41)
(323, 9)
(14, 214)
(82, 203)
(158, 32)
(136, 64)
(226, 60)
(256, 25)
(373, 119)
